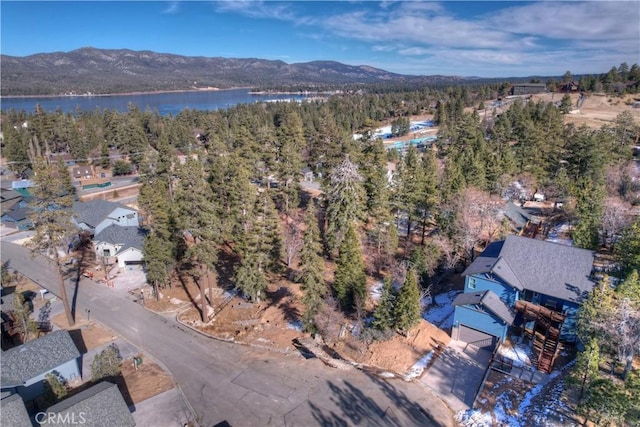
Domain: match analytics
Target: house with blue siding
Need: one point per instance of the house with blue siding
(528, 287)
(24, 367)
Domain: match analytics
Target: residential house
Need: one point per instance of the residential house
(8, 198)
(528, 88)
(21, 184)
(122, 245)
(532, 286)
(523, 222)
(101, 405)
(66, 157)
(307, 174)
(96, 215)
(13, 412)
(24, 367)
(17, 217)
(82, 172)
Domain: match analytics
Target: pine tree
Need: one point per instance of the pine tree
(22, 315)
(250, 276)
(55, 388)
(345, 202)
(589, 209)
(49, 212)
(627, 250)
(350, 282)
(630, 288)
(407, 308)
(312, 269)
(587, 365)
(198, 224)
(383, 315)
(291, 145)
(107, 364)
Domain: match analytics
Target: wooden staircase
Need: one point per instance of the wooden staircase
(545, 334)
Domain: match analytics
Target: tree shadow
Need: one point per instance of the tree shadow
(290, 311)
(191, 297)
(355, 407)
(76, 275)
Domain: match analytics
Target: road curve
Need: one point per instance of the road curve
(242, 385)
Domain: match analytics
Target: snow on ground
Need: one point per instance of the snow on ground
(418, 368)
(295, 325)
(441, 314)
(520, 354)
(503, 413)
(557, 233)
(376, 291)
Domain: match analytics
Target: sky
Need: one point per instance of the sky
(481, 38)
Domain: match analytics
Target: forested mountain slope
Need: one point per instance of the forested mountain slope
(117, 71)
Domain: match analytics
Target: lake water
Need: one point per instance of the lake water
(164, 103)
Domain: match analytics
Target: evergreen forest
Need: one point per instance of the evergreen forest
(221, 192)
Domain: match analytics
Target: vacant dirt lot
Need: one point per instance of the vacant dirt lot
(597, 109)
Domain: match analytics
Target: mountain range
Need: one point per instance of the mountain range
(101, 71)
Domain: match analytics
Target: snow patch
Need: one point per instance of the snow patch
(519, 354)
(295, 325)
(418, 368)
(441, 314)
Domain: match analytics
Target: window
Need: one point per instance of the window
(106, 252)
(131, 216)
(472, 283)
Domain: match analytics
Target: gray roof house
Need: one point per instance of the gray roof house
(99, 406)
(489, 301)
(123, 243)
(95, 215)
(548, 268)
(13, 412)
(525, 284)
(24, 367)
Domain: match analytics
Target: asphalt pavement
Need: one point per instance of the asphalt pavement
(241, 385)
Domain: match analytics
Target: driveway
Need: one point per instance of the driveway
(456, 374)
(244, 386)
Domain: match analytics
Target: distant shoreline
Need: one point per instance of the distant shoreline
(155, 92)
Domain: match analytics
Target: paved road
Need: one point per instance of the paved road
(241, 385)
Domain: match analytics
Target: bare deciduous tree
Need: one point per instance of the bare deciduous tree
(293, 240)
(614, 218)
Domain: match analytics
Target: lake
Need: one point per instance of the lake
(164, 103)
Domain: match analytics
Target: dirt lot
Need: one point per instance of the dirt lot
(597, 110)
(147, 381)
(274, 323)
(86, 334)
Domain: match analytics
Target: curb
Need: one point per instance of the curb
(194, 416)
(231, 340)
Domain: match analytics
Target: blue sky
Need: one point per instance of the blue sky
(483, 38)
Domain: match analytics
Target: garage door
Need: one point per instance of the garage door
(134, 265)
(476, 338)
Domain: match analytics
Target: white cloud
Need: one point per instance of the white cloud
(262, 9)
(411, 51)
(172, 7)
(594, 20)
